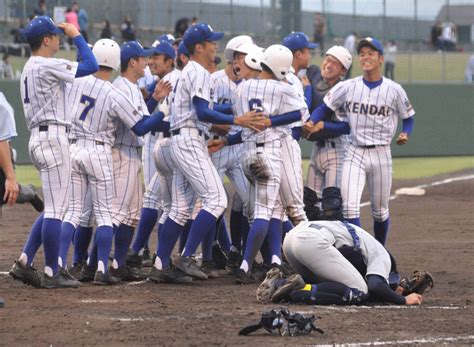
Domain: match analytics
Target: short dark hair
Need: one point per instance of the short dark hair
(267, 69)
(105, 68)
(191, 48)
(36, 42)
(124, 65)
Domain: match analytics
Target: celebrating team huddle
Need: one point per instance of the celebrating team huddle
(91, 139)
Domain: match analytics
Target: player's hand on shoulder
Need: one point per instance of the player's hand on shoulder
(220, 129)
(413, 299)
(253, 120)
(402, 139)
(215, 145)
(162, 89)
(69, 29)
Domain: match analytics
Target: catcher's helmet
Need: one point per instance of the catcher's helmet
(235, 45)
(107, 53)
(254, 56)
(278, 59)
(341, 54)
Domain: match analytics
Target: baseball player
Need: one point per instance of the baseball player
(10, 191)
(191, 107)
(335, 257)
(96, 107)
(327, 155)
(43, 83)
(372, 105)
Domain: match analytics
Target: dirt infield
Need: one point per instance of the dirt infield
(432, 232)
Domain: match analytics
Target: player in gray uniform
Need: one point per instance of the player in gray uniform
(193, 105)
(43, 93)
(372, 105)
(320, 252)
(327, 155)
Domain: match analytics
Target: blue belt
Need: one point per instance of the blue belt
(354, 235)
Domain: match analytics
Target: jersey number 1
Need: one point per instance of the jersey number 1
(90, 102)
(26, 99)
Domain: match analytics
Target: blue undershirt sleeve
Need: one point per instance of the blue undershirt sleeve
(151, 123)
(223, 108)
(205, 114)
(286, 118)
(234, 139)
(378, 286)
(151, 104)
(338, 128)
(408, 125)
(320, 112)
(308, 95)
(88, 65)
(296, 133)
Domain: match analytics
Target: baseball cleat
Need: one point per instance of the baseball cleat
(66, 274)
(59, 280)
(188, 266)
(26, 274)
(210, 268)
(77, 270)
(219, 257)
(233, 262)
(37, 201)
(266, 289)
(242, 277)
(169, 275)
(134, 259)
(105, 279)
(125, 273)
(294, 282)
(148, 260)
(88, 274)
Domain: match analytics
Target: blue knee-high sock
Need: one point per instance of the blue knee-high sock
(355, 221)
(82, 238)
(223, 237)
(207, 244)
(34, 240)
(255, 239)
(274, 238)
(93, 254)
(51, 232)
(204, 223)
(245, 231)
(265, 252)
(286, 227)
(123, 238)
(158, 228)
(104, 236)
(169, 234)
(381, 230)
(67, 234)
(184, 234)
(236, 228)
(147, 222)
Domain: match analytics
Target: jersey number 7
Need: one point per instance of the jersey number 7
(90, 102)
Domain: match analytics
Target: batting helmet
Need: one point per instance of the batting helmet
(107, 53)
(234, 44)
(341, 54)
(278, 59)
(254, 56)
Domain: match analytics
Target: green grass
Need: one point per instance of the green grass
(404, 168)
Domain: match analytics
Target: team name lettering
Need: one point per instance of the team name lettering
(366, 109)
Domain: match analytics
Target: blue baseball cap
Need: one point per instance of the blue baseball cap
(132, 49)
(200, 32)
(167, 37)
(164, 48)
(182, 49)
(40, 26)
(371, 42)
(298, 40)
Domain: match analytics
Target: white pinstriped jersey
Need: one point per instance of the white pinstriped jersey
(173, 77)
(224, 91)
(372, 113)
(123, 135)
(43, 90)
(276, 98)
(195, 81)
(95, 105)
(296, 83)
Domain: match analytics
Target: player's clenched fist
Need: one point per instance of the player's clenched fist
(215, 145)
(402, 139)
(69, 29)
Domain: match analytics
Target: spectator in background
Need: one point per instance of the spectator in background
(6, 70)
(436, 30)
(106, 32)
(350, 44)
(128, 32)
(71, 17)
(41, 9)
(390, 53)
(180, 27)
(319, 31)
(469, 71)
(83, 19)
(449, 37)
(214, 65)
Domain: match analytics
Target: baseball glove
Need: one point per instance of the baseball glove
(418, 283)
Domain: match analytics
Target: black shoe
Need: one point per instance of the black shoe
(233, 261)
(146, 253)
(294, 282)
(259, 271)
(88, 274)
(218, 257)
(37, 202)
(105, 279)
(77, 270)
(188, 266)
(169, 275)
(242, 277)
(66, 274)
(209, 268)
(59, 280)
(2, 303)
(285, 268)
(134, 259)
(149, 261)
(125, 273)
(26, 274)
